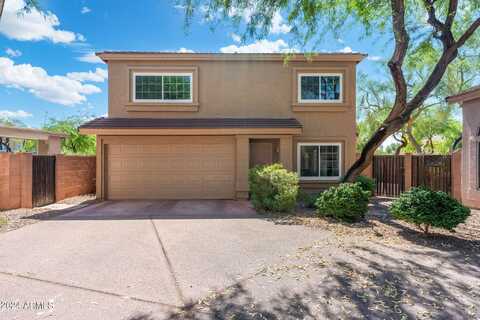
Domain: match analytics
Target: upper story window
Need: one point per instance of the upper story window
(162, 87)
(320, 88)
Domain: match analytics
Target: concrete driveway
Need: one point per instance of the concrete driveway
(121, 259)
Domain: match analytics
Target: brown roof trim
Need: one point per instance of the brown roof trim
(177, 56)
(190, 123)
(470, 94)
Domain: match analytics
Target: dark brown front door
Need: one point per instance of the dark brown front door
(263, 152)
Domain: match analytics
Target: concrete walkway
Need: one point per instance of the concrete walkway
(119, 260)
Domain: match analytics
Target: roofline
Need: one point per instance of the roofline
(467, 95)
(23, 133)
(184, 56)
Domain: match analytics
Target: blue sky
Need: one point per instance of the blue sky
(47, 67)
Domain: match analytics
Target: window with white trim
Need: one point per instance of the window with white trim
(162, 87)
(320, 87)
(319, 161)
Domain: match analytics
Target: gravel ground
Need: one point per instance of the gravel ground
(17, 218)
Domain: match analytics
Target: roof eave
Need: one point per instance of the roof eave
(190, 131)
(468, 95)
(175, 56)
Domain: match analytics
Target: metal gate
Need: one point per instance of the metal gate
(433, 172)
(43, 180)
(388, 172)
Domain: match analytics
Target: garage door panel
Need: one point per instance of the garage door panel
(174, 168)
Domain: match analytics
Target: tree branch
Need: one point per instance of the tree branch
(467, 34)
(452, 12)
(448, 55)
(396, 62)
(443, 31)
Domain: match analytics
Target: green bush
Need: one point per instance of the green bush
(307, 199)
(367, 184)
(273, 188)
(426, 208)
(347, 202)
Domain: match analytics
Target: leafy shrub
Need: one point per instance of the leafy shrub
(367, 184)
(346, 202)
(307, 199)
(426, 208)
(273, 188)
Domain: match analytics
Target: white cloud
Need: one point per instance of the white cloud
(90, 57)
(185, 50)
(278, 26)
(346, 50)
(13, 53)
(374, 58)
(81, 37)
(15, 114)
(340, 40)
(32, 26)
(98, 76)
(259, 46)
(236, 38)
(58, 89)
(85, 10)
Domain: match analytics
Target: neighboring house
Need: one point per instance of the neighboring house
(49, 143)
(470, 180)
(190, 125)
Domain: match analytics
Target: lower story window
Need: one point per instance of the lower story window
(320, 161)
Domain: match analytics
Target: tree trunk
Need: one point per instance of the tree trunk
(395, 120)
(412, 139)
(403, 144)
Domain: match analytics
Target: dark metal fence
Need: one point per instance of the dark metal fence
(388, 172)
(43, 180)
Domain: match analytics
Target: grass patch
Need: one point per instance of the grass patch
(3, 220)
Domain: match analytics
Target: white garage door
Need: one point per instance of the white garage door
(171, 168)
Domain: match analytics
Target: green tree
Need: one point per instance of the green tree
(433, 127)
(75, 143)
(429, 30)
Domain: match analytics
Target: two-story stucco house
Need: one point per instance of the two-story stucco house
(190, 125)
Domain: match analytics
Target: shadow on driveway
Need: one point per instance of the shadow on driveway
(374, 282)
(158, 209)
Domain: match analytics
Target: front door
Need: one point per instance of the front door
(263, 152)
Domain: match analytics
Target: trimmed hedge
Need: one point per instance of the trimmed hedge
(273, 188)
(347, 202)
(426, 208)
(367, 184)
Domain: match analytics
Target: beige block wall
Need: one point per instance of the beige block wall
(74, 176)
(457, 175)
(471, 125)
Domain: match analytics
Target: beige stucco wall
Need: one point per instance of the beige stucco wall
(471, 125)
(248, 89)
